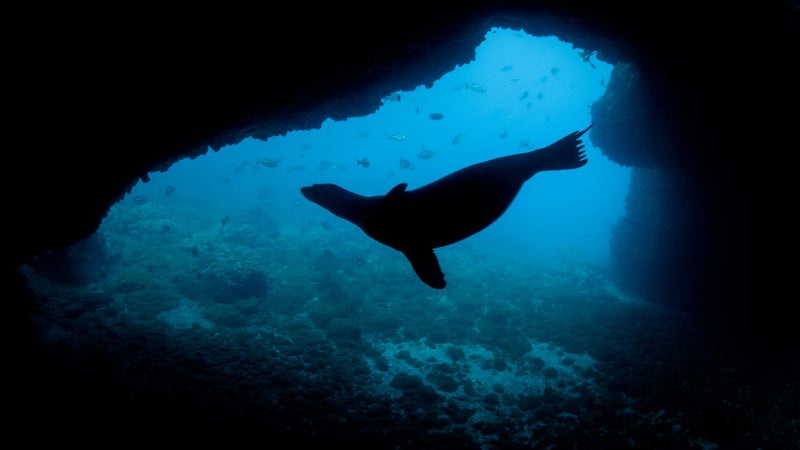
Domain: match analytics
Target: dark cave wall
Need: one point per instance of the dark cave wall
(658, 248)
(702, 131)
(99, 103)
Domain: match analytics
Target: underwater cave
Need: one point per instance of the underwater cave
(191, 294)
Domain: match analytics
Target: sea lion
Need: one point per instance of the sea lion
(449, 209)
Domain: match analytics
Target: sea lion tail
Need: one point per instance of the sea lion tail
(566, 153)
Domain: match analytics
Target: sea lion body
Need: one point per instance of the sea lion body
(449, 209)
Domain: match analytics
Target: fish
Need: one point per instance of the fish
(140, 200)
(425, 154)
(325, 165)
(459, 138)
(392, 98)
(363, 162)
(436, 116)
(397, 137)
(448, 210)
(170, 189)
(225, 220)
(271, 163)
(406, 164)
(586, 56)
(477, 87)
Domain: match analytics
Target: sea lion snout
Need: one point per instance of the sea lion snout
(319, 192)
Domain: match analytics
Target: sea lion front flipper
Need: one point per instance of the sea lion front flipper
(426, 266)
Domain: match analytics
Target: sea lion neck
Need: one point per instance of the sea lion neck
(338, 200)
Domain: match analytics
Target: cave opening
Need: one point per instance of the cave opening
(519, 93)
(235, 217)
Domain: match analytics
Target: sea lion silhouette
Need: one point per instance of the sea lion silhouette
(449, 209)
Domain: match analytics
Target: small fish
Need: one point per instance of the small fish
(325, 165)
(425, 154)
(170, 190)
(586, 56)
(325, 224)
(555, 71)
(392, 98)
(524, 95)
(406, 164)
(477, 87)
(459, 137)
(360, 262)
(539, 96)
(225, 220)
(525, 143)
(195, 251)
(140, 200)
(363, 162)
(504, 134)
(506, 68)
(397, 137)
(266, 162)
(436, 116)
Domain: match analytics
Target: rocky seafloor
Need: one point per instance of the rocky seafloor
(156, 331)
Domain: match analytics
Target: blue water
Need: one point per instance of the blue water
(215, 304)
(520, 93)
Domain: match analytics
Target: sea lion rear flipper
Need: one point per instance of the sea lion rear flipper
(426, 267)
(566, 153)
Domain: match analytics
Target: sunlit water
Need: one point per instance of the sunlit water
(519, 94)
